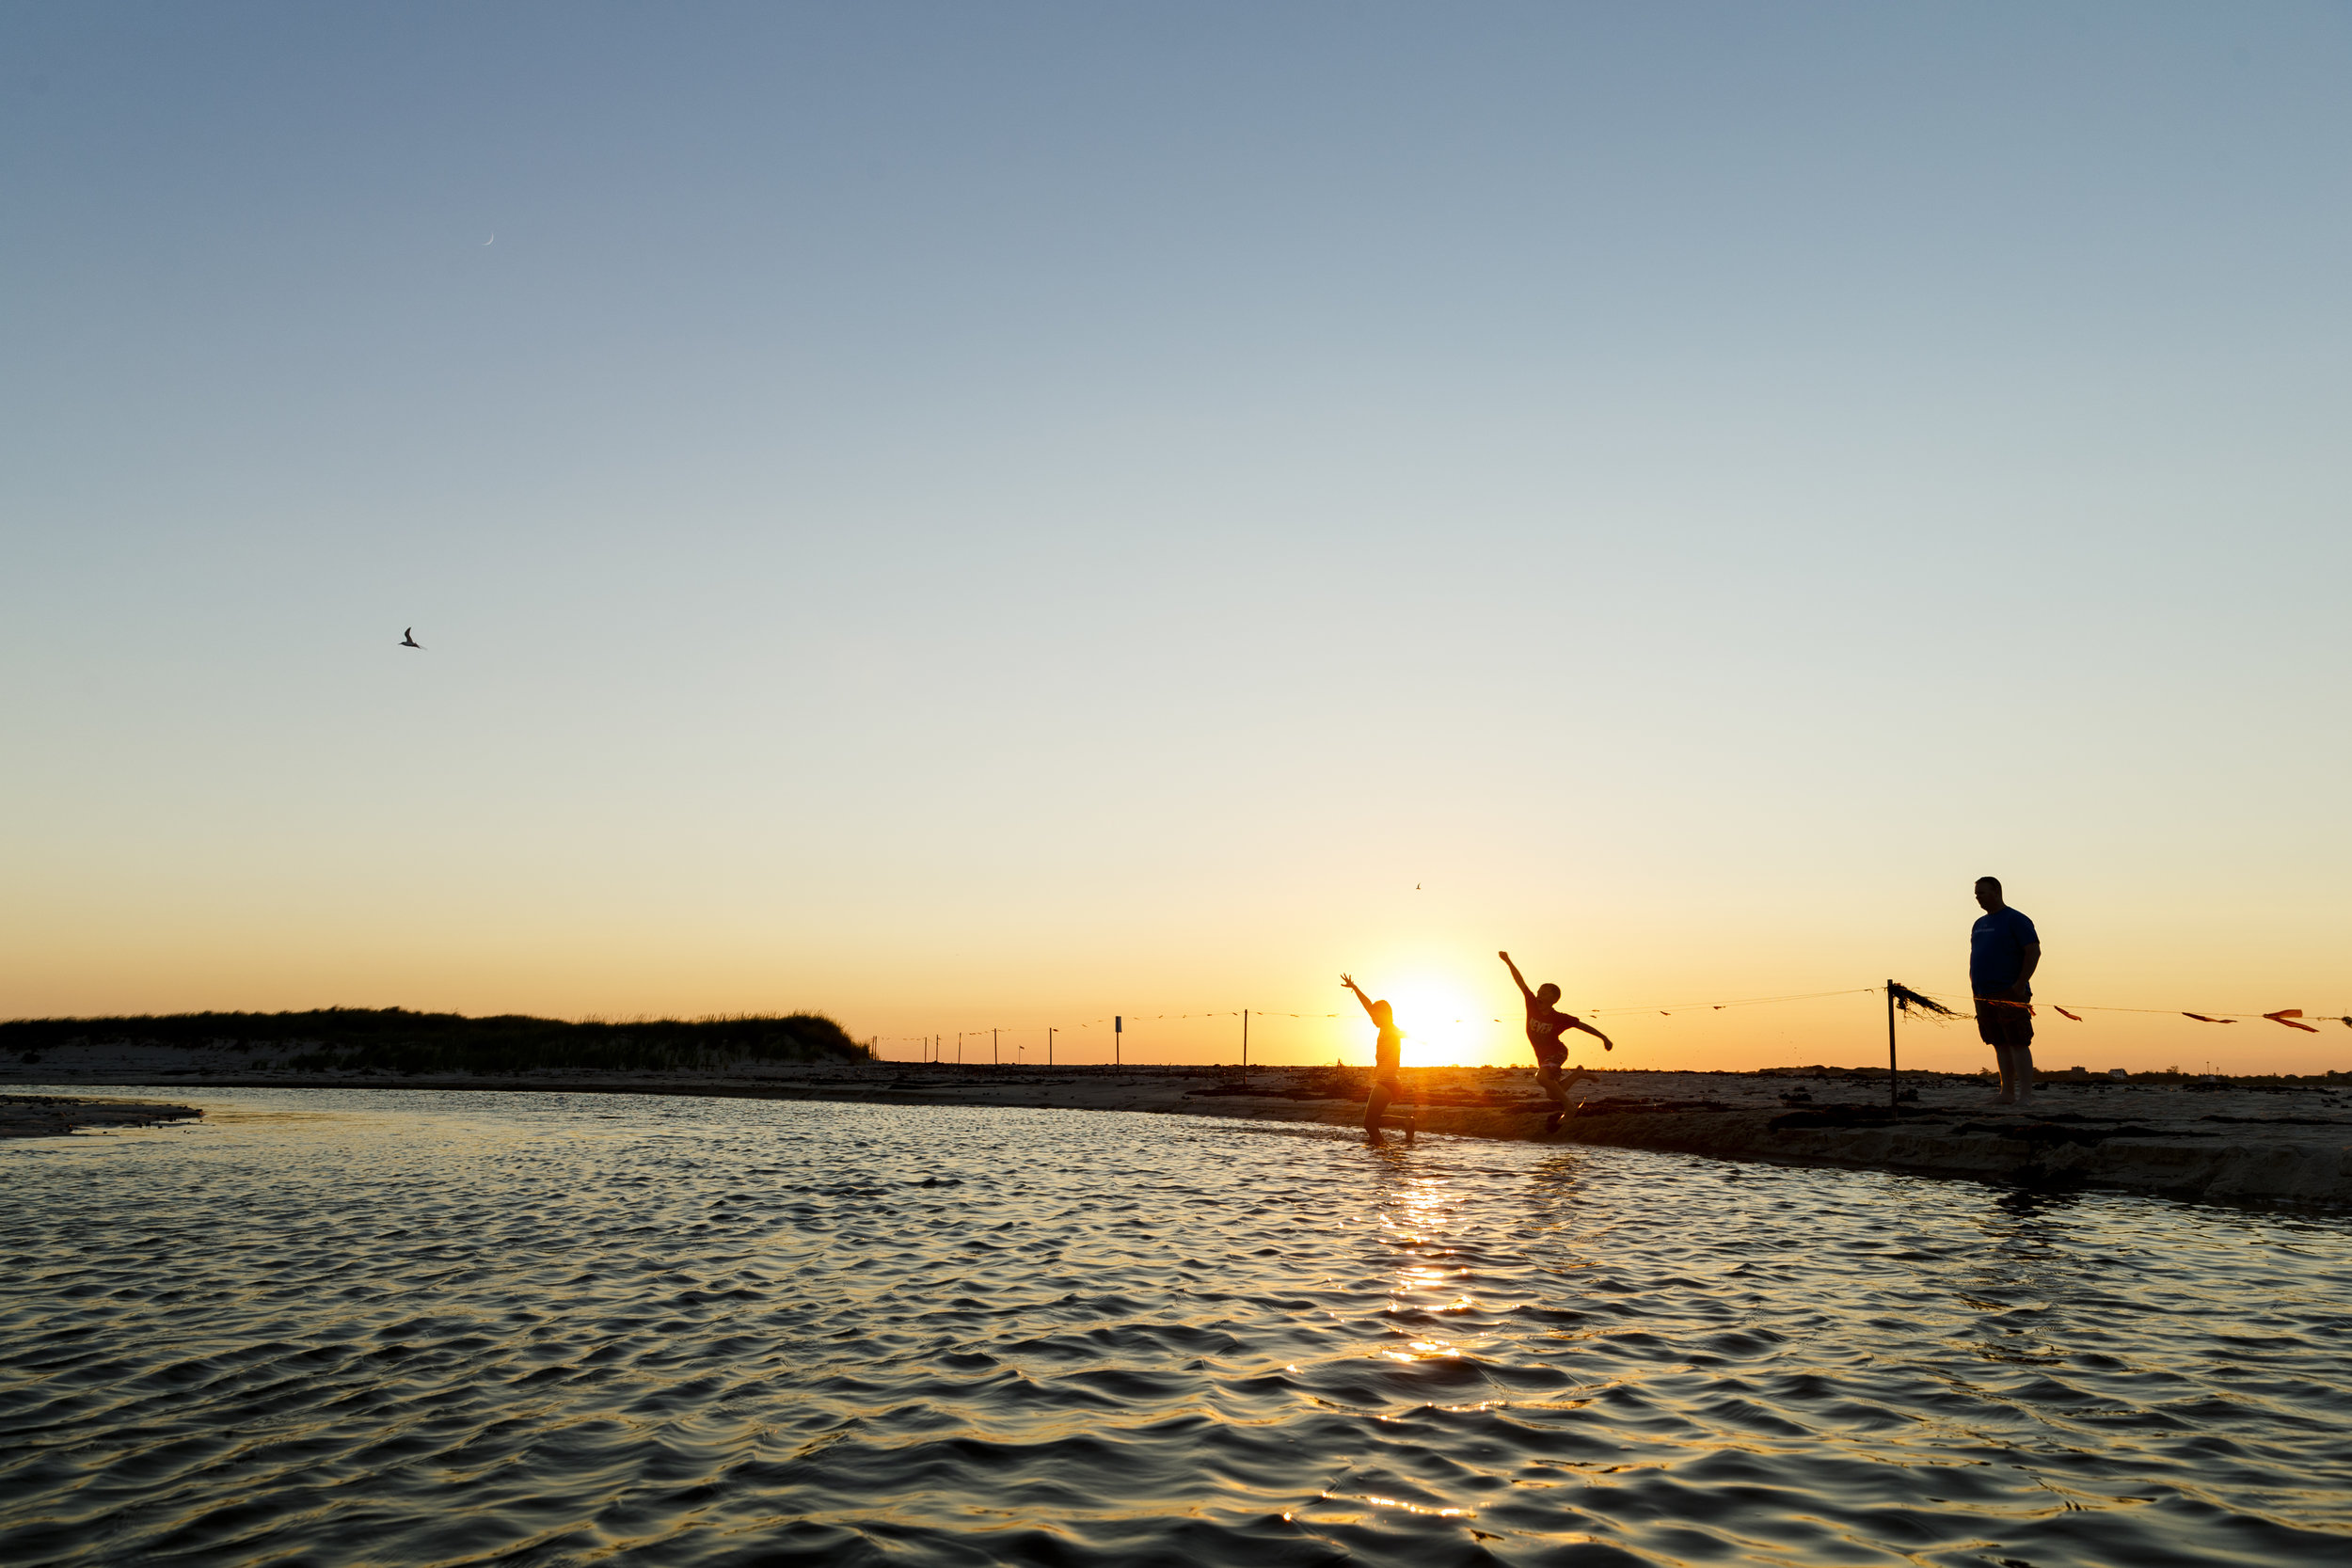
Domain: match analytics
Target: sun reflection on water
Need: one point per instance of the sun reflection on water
(720, 1326)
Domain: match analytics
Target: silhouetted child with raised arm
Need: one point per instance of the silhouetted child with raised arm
(1546, 1024)
(1388, 1061)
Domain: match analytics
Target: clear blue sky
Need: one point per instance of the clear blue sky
(972, 514)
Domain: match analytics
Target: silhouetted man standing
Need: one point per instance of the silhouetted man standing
(2003, 952)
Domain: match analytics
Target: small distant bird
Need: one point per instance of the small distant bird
(1416, 887)
(408, 639)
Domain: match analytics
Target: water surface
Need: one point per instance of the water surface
(351, 1326)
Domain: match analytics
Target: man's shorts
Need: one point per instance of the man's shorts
(2000, 1022)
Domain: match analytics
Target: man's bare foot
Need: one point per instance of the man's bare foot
(2004, 1098)
(1551, 1124)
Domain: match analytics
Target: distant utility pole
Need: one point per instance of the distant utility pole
(1049, 1048)
(1119, 1026)
(959, 1047)
(992, 1060)
(1245, 1042)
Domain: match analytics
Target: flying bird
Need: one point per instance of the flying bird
(408, 639)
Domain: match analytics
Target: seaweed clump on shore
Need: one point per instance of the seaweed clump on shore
(393, 1040)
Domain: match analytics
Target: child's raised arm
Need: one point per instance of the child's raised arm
(1515, 978)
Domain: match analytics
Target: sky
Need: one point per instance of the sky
(975, 518)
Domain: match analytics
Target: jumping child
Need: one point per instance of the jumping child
(1546, 1024)
(1387, 1060)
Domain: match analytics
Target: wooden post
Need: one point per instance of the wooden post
(1049, 1048)
(1118, 1027)
(1245, 1042)
(1892, 1102)
(992, 1060)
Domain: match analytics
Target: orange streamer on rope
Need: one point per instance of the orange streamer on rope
(2287, 1016)
(2203, 1019)
(2063, 1013)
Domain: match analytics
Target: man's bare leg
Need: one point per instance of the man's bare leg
(2016, 1074)
(1375, 1107)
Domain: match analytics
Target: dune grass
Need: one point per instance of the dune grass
(393, 1040)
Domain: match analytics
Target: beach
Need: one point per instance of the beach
(2226, 1141)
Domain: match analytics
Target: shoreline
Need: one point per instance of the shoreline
(2227, 1143)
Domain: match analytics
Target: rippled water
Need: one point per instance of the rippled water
(352, 1327)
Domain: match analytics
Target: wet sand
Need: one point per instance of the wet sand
(2229, 1141)
(49, 1116)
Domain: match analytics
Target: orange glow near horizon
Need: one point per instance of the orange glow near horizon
(1180, 969)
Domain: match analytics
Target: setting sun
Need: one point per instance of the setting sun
(1443, 1022)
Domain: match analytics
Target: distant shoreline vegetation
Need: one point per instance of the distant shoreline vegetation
(393, 1040)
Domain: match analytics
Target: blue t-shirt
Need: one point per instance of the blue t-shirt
(1997, 950)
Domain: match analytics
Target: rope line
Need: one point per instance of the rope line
(1672, 1007)
(2292, 1017)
